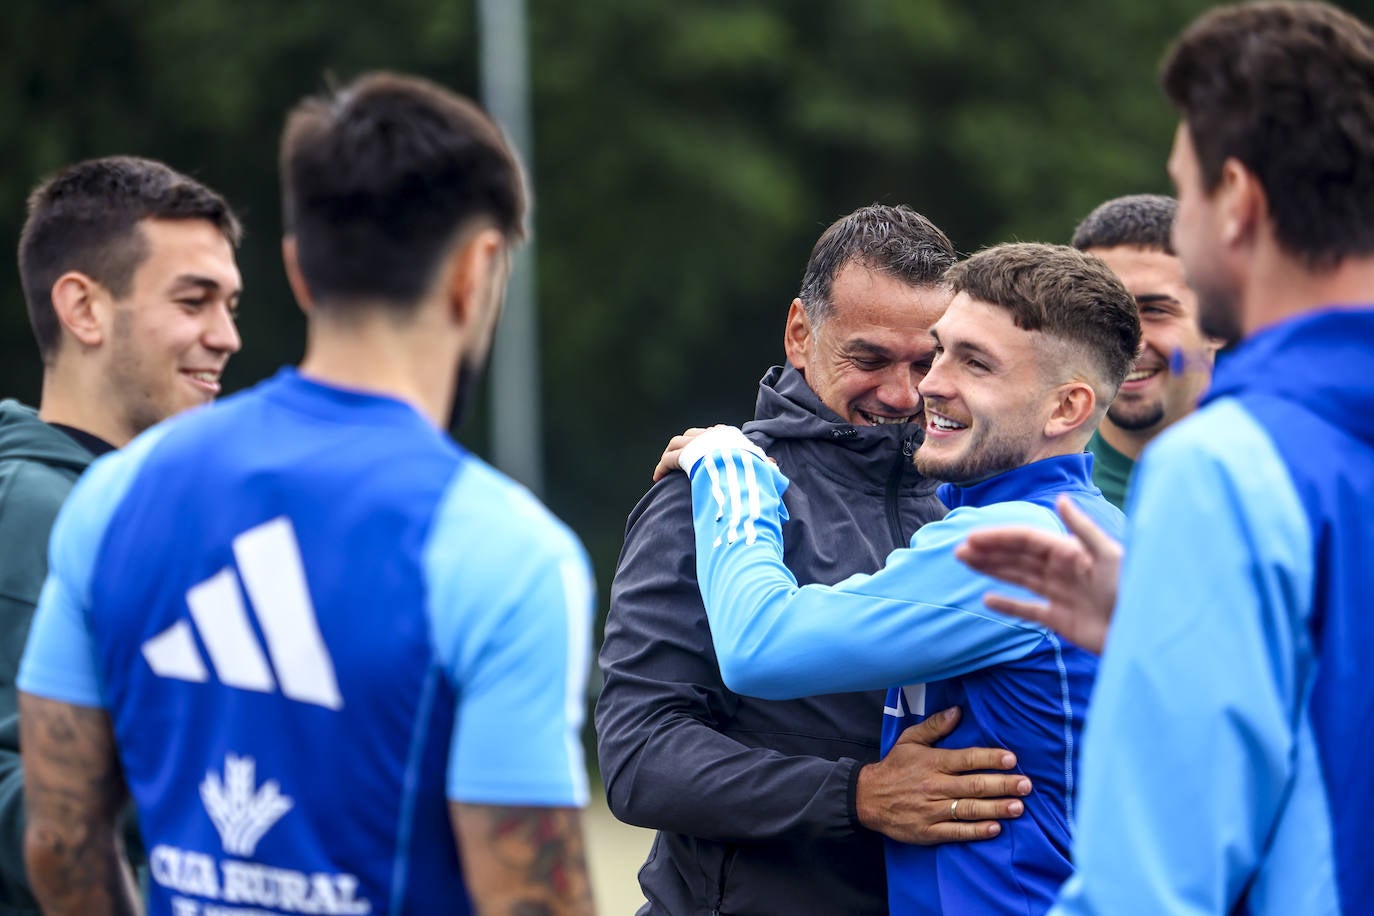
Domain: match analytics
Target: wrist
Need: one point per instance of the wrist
(859, 815)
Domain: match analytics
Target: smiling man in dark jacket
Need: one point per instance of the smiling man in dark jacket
(779, 807)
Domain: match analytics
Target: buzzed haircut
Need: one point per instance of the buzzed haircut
(1288, 90)
(1061, 292)
(378, 179)
(1136, 220)
(896, 241)
(85, 218)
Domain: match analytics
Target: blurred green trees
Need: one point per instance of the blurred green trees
(687, 154)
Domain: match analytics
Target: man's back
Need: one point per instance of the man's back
(291, 595)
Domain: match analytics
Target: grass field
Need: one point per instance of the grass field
(615, 851)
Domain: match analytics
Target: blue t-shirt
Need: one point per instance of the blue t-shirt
(313, 620)
(919, 621)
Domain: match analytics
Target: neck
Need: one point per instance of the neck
(1285, 288)
(370, 351)
(1130, 443)
(71, 399)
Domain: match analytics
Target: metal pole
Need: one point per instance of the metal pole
(517, 446)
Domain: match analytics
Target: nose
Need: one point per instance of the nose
(936, 384)
(898, 391)
(222, 333)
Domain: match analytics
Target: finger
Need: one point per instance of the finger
(984, 786)
(967, 759)
(957, 832)
(989, 809)
(932, 728)
(1094, 538)
(1034, 611)
(1011, 541)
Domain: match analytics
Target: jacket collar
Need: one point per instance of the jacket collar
(1039, 479)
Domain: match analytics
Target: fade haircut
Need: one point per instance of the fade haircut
(896, 241)
(1063, 293)
(380, 176)
(1287, 89)
(1137, 220)
(85, 218)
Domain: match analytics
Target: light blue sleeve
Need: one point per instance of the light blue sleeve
(920, 618)
(1192, 737)
(59, 660)
(511, 599)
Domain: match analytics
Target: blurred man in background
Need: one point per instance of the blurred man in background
(1175, 365)
(336, 659)
(129, 275)
(779, 807)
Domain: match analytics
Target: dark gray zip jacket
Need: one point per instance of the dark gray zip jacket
(753, 799)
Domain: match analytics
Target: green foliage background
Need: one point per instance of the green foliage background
(687, 154)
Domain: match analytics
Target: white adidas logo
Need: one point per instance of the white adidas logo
(911, 699)
(269, 562)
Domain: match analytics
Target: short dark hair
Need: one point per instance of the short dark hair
(1287, 89)
(379, 176)
(896, 241)
(85, 218)
(1061, 292)
(1136, 220)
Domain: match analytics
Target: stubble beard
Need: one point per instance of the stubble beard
(1136, 416)
(984, 457)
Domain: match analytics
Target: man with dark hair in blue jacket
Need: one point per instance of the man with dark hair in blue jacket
(1243, 632)
(779, 808)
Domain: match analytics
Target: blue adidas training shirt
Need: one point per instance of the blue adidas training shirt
(920, 622)
(314, 620)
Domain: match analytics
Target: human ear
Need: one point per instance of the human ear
(796, 339)
(472, 268)
(290, 257)
(1243, 202)
(1074, 404)
(79, 303)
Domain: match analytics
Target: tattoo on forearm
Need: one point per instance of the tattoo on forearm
(74, 791)
(532, 860)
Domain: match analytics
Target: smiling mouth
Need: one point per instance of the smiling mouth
(1140, 375)
(880, 420)
(943, 423)
(205, 379)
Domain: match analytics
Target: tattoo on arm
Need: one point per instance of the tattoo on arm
(74, 791)
(523, 861)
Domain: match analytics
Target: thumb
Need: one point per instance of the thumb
(932, 729)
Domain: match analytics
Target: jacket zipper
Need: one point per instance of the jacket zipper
(894, 482)
(726, 861)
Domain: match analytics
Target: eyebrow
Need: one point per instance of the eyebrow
(1153, 298)
(208, 284)
(867, 347)
(965, 347)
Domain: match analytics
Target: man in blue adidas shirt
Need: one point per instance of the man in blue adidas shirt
(1028, 356)
(1226, 766)
(336, 659)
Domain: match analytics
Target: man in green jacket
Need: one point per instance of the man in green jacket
(1174, 367)
(131, 285)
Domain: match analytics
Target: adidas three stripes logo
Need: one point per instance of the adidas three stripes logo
(270, 570)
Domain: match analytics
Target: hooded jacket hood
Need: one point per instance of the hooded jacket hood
(790, 409)
(25, 437)
(1321, 361)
